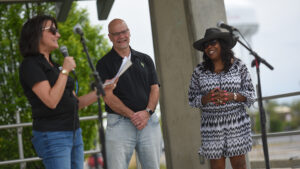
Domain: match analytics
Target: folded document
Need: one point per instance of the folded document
(124, 66)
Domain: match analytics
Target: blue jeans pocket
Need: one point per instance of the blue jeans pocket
(113, 120)
(38, 142)
(154, 119)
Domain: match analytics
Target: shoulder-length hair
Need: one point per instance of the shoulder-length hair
(31, 34)
(226, 55)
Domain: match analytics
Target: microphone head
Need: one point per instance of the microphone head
(220, 23)
(77, 29)
(64, 51)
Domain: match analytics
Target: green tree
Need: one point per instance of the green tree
(277, 120)
(295, 109)
(256, 127)
(12, 17)
(269, 110)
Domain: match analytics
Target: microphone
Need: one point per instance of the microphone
(221, 24)
(64, 51)
(78, 30)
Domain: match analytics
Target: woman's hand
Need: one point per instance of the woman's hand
(212, 96)
(69, 63)
(222, 97)
(218, 97)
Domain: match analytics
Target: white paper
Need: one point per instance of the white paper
(124, 66)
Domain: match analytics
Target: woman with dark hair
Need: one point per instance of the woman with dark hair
(221, 87)
(57, 136)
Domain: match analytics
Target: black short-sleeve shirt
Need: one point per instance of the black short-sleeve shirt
(64, 117)
(133, 87)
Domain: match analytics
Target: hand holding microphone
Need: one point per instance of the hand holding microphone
(69, 65)
(69, 62)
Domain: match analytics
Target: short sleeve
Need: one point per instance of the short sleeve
(102, 71)
(31, 73)
(152, 72)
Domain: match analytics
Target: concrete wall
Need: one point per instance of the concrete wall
(176, 24)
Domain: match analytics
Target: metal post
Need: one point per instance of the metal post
(20, 142)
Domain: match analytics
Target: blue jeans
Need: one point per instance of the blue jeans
(122, 137)
(58, 150)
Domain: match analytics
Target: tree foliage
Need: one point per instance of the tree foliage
(12, 17)
(276, 120)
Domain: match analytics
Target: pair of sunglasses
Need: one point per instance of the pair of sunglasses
(51, 29)
(210, 43)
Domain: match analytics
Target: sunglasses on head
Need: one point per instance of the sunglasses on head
(210, 43)
(51, 29)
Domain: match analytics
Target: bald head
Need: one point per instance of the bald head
(116, 23)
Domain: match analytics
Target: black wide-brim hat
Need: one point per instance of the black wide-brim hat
(214, 33)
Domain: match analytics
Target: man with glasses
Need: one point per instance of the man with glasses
(130, 102)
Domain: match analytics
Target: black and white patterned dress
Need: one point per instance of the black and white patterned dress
(225, 129)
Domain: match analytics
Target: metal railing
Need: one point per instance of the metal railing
(22, 160)
(19, 127)
(277, 163)
(278, 134)
(281, 96)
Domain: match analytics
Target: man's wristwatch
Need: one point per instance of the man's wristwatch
(65, 72)
(149, 111)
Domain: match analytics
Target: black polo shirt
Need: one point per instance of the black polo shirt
(133, 87)
(64, 117)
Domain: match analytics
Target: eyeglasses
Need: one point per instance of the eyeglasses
(210, 43)
(51, 29)
(119, 33)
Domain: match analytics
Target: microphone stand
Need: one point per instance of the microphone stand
(257, 60)
(99, 87)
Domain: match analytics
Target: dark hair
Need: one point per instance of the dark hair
(226, 55)
(31, 34)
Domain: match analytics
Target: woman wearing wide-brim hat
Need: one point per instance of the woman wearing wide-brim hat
(221, 87)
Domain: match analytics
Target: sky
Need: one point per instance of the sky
(276, 40)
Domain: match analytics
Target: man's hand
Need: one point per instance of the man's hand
(110, 87)
(140, 119)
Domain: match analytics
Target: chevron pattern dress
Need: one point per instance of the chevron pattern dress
(225, 129)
